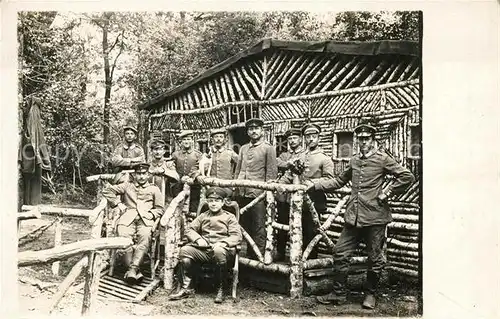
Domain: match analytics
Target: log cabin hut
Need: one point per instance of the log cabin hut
(333, 84)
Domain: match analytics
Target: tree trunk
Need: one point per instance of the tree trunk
(107, 76)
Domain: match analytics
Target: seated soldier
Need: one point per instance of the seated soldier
(213, 236)
(139, 205)
(160, 167)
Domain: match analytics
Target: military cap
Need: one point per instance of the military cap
(141, 167)
(129, 127)
(185, 134)
(310, 129)
(292, 132)
(216, 192)
(254, 122)
(157, 143)
(218, 131)
(364, 130)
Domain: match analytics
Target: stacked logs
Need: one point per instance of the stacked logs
(402, 252)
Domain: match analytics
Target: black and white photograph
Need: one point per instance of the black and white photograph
(220, 163)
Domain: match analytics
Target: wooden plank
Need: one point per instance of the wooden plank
(116, 291)
(28, 258)
(57, 243)
(121, 285)
(145, 292)
(91, 282)
(256, 89)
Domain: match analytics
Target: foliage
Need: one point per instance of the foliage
(80, 65)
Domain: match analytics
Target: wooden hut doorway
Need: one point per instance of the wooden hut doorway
(238, 137)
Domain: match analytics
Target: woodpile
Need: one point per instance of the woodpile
(402, 236)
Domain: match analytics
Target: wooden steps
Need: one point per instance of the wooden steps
(114, 288)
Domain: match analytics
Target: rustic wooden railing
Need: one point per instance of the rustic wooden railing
(176, 214)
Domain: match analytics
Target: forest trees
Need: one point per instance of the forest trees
(90, 71)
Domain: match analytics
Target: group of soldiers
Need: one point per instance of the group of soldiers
(214, 233)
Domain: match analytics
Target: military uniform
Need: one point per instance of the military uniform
(144, 205)
(187, 163)
(123, 158)
(222, 233)
(257, 162)
(317, 167)
(161, 169)
(283, 200)
(366, 217)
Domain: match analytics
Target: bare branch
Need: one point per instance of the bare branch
(116, 58)
(116, 41)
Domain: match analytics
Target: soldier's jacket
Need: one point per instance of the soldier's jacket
(284, 157)
(215, 227)
(318, 167)
(257, 162)
(139, 199)
(157, 178)
(124, 155)
(186, 162)
(367, 175)
(224, 163)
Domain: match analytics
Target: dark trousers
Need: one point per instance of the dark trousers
(254, 223)
(374, 238)
(221, 255)
(194, 195)
(308, 228)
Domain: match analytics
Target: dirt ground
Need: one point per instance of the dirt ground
(37, 286)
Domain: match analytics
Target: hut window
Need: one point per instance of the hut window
(281, 144)
(343, 144)
(242, 113)
(415, 140)
(203, 146)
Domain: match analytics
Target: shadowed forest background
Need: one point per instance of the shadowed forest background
(88, 71)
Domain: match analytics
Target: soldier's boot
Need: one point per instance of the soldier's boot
(339, 294)
(221, 273)
(372, 282)
(136, 262)
(185, 290)
(131, 275)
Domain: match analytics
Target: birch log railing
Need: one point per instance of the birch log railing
(91, 260)
(173, 217)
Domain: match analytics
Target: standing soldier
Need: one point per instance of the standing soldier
(317, 166)
(223, 160)
(367, 213)
(257, 162)
(285, 162)
(127, 154)
(187, 161)
(163, 172)
(140, 204)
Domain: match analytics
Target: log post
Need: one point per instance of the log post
(296, 264)
(170, 244)
(57, 243)
(268, 252)
(68, 282)
(92, 277)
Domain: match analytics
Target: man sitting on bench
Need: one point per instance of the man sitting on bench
(139, 205)
(213, 236)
